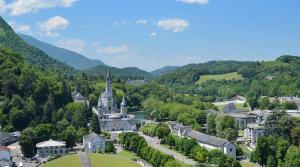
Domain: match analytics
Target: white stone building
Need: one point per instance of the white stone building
(93, 142)
(111, 118)
(51, 148)
(252, 132)
(5, 157)
(204, 140)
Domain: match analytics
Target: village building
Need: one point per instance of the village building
(51, 148)
(242, 119)
(5, 157)
(110, 117)
(204, 140)
(252, 132)
(93, 143)
(136, 82)
(77, 96)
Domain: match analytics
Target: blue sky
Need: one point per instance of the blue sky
(150, 34)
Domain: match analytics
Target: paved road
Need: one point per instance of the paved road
(154, 142)
(84, 159)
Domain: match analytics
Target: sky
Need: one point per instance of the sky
(150, 34)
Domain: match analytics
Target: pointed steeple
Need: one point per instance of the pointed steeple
(123, 106)
(123, 103)
(108, 76)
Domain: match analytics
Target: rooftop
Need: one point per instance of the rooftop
(200, 137)
(50, 143)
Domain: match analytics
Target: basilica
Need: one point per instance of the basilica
(110, 117)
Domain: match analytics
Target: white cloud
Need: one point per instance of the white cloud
(2, 6)
(142, 22)
(19, 7)
(76, 45)
(175, 25)
(113, 50)
(20, 28)
(52, 24)
(201, 2)
(153, 34)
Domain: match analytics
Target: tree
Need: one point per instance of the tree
(27, 142)
(264, 148)
(69, 136)
(110, 148)
(295, 135)
(279, 124)
(292, 157)
(199, 153)
(211, 124)
(271, 161)
(18, 119)
(95, 124)
(43, 132)
(162, 130)
(282, 147)
(253, 103)
(264, 103)
(80, 133)
(61, 125)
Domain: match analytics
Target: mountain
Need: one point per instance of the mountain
(9, 39)
(71, 58)
(164, 70)
(121, 73)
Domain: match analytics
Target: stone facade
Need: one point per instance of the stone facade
(51, 148)
(94, 142)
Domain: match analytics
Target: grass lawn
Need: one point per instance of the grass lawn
(122, 159)
(239, 106)
(68, 160)
(228, 76)
(248, 164)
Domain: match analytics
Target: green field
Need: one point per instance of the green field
(123, 159)
(248, 164)
(238, 106)
(228, 76)
(68, 160)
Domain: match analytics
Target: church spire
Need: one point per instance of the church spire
(123, 106)
(108, 76)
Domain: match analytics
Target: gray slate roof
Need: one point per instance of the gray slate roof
(198, 136)
(91, 136)
(206, 139)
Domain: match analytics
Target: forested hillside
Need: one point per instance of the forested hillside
(191, 73)
(164, 70)
(120, 73)
(71, 58)
(271, 78)
(9, 39)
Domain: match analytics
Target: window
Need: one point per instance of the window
(230, 149)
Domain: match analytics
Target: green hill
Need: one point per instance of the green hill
(227, 76)
(191, 73)
(9, 39)
(121, 73)
(165, 70)
(71, 58)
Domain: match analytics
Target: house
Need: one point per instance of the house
(252, 132)
(7, 138)
(242, 119)
(204, 140)
(51, 148)
(77, 96)
(5, 157)
(260, 115)
(136, 82)
(93, 142)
